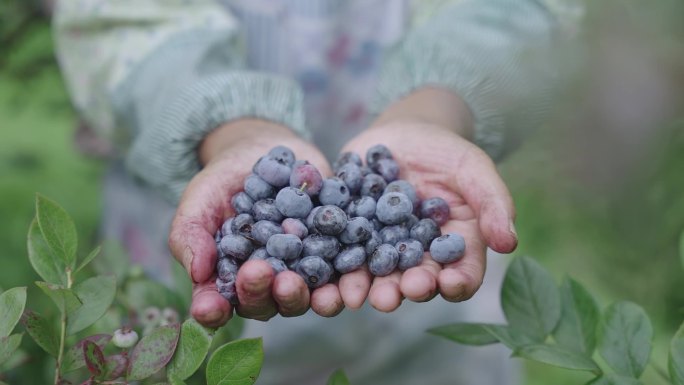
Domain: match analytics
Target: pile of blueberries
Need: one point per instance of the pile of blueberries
(292, 218)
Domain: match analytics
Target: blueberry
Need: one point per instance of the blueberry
(334, 192)
(362, 207)
(263, 230)
(358, 230)
(257, 188)
(372, 243)
(350, 259)
(217, 236)
(227, 290)
(383, 261)
(447, 248)
(347, 157)
(405, 188)
(266, 210)
(277, 264)
(410, 253)
(350, 174)
(274, 170)
(295, 227)
(425, 231)
(242, 225)
(436, 209)
(307, 177)
(377, 152)
(310, 220)
(324, 246)
(330, 220)
(315, 271)
(284, 154)
(377, 225)
(412, 221)
(292, 263)
(236, 246)
(393, 208)
(284, 246)
(393, 234)
(242, 203)
(226, 268)
(260, 254)
(387, 168)
(226, 227)
(293, 203)
(365, 170)
(373, 185)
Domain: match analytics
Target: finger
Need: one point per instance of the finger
(354, 287)
(254, 286)
(385, 294)
(208, 307)
(419, 284)
(484, 190)
(459, 280)
(291, 294)
(326, 300)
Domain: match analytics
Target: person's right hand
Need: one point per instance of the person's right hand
(228, 154)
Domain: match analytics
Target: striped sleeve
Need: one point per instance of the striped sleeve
(496, 54)
(156, 76)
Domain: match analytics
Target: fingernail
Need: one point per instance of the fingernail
(511, 228)
(187, 260)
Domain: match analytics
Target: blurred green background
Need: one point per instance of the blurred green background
(599, 190)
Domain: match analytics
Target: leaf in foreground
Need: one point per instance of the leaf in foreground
(8, 345)
(625, 339)
(58, 229)
(42, 258)
(558, 356)
(236, 363)
(12, 303)
(338, 378)
(530, 299)
(42, 330)
(580, 316)
(466, 333)
(153, 352)
(95, 294)
(192, 348)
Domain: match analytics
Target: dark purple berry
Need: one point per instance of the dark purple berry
(350, 174)
(383, 261)
(358, 230)
(263, 230)
(388, 169)
(350, 259)
(436, 209)
(330, 220)
(393, 234)
(362, 207)
(293, 203)
(315, 271)
(310, 220)
(373, 185)
(242, 203)
(377, 152)
(259, 253)
(307, 177)
(447, 248)
(410, 253)
(372, 243)
(334, 192)
(284, 246)
(393, 208)
(295, 227)
(425, 231)
(226, 269)
(236, 246)
(242, 225)
(324, 246)
(227, 290)
(266, 210)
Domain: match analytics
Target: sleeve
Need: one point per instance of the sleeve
(498, 55)
(156, 76)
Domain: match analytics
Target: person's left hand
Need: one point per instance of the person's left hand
(439, 163)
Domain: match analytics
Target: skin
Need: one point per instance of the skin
(428, 133)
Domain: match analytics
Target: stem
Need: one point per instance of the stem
(303, 187)
(62, 334)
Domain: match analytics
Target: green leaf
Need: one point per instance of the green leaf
(236, 363)
(465, 333)
(94, 359)
(96, 294)
(58, 229)
(509, 337)
(43, 260)
(73, 357)
(625, 339)
(580, 316)
(530, 299)
(558, 356)
(614, 379)
(153, 352)
(64, 298)
(12, 303)
(8, 345)
(18, 358)
(192, 348)
(115, 366)
(42, 330)
(676, 359)
(88, 259)
(338, 378)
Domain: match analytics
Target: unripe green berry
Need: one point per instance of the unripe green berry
(125, 338)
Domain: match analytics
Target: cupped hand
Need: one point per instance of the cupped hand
(439, 163)
(228, 154)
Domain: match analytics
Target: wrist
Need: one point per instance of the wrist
(239, 132)
(431, 105)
